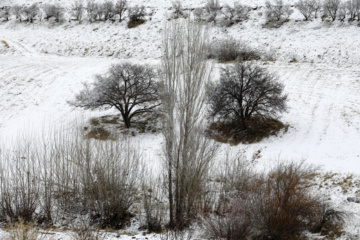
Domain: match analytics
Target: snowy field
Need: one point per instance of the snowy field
(43, 65)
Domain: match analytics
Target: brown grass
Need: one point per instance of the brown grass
(5, 43)
(99, 134)
(257, 129)
(22, 230)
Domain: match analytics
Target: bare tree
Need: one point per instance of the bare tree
(5, 13)
(357, 7)
(307, 8)
(212, 8)
(108, 7)
(237, 12)
(31, 12)
(130, 88)
(17, 11)
(92, 10)
(136, 13)
(78, 10)
(178, 9)
(55, 11)
(188, 153)
(278, 11)
(246, 89)
(331, 8)
(352, 8)
(342, 12)
(120, 8)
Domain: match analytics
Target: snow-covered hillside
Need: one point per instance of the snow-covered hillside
(43, 65)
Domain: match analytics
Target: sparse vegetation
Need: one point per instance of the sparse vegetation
(278, 205)
(230, 49)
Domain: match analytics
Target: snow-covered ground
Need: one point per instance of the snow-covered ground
(42, 65)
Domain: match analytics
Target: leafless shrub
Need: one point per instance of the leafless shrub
(153, 201)
(20, 193)
(120, 8)
(230, 220)
(55, 11)
(236, 177)
(229, 49)
(278, 12)
(326, 217)
(172, 234)
(84, 231)
(78, 9)
(212, 9)
(108, 175)
(22, 230)
(331, 8)
(282, 205)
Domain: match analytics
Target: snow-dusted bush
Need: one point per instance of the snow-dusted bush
(54, 11)
(230, 49)
(331, 8)
(120, 8)
(77, 10)
(278, 11)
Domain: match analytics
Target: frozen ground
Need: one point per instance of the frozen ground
(42, 66)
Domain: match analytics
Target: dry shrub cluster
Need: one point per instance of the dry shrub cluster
(230, 49)
(62, 175)
(278, 205)
(257, 129)
(22, 230)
